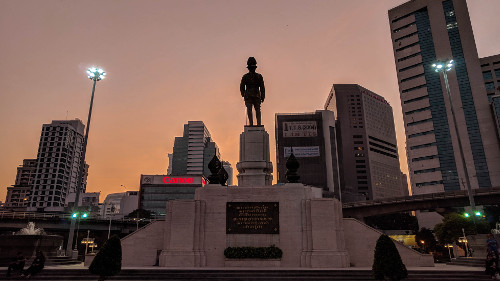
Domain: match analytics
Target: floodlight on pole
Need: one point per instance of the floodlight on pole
(95, 74)
(444, 67)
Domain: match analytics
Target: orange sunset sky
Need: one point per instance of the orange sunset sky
(169, 62)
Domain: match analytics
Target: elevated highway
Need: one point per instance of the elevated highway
(57, 223)
(459, 198)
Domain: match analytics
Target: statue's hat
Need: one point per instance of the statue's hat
(251, 61)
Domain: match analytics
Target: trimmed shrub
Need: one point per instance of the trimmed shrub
(108, 261)
(271, 252)
(387, 263)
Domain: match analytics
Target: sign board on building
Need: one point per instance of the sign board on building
(302, 151)
(252, 218)
(300, 129)
(167, 180)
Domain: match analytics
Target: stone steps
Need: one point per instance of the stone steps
(473, 262)
(251, 275)
(64, 260)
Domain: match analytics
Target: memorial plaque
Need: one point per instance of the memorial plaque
(252, 218)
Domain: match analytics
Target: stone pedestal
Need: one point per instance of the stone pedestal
(254, 167)
(312, 232)
(310, 228)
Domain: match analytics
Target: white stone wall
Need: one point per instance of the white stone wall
(311, 233)
(140, 247)
(360, 242)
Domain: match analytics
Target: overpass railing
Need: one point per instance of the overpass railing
(421, 197)
(51, 216)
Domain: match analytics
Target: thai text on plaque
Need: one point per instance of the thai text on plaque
(252, 218)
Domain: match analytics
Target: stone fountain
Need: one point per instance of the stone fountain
(27, 241)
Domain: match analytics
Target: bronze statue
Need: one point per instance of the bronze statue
(252, 90)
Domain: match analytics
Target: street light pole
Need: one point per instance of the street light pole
(87, 242)
(443, 67)
(95, 75)
(109, 228)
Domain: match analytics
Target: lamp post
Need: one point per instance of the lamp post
(444, 67)
(449, 246)
(87, 242)
(77, 217)
(94, 74)
(464, 240)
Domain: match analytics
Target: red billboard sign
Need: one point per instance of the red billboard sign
(177, 180)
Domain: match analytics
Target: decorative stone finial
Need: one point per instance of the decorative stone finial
(219, 174)
(223, 176)
(292, 165)
(214, 166)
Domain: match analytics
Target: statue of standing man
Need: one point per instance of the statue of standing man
(252, 90)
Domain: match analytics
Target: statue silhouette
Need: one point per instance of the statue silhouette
(253, 91)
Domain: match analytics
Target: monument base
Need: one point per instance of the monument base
(308, 229)
(254, 167)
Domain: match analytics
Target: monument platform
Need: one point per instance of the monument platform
(254, 167)
(309, 230)
(292, 217)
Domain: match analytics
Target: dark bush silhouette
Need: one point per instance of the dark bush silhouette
(387, 264)
(271, 252)
(108, 261)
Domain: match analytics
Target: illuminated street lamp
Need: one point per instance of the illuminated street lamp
(94, 74)
(443, 67)
(76, 217)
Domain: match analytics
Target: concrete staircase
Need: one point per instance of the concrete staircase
(251, 275)
(56, 260)
(472, 261)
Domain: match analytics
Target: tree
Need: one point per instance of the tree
(387, 263)
(108, 261)
(429, 241)
(140, 214)
(450, 229)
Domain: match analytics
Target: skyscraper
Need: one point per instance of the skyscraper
(229, 169)
(18, 194)
(490, 68)
(193, 151)
(422, 32)
(57, 165)
(368, 148)
(311, 138)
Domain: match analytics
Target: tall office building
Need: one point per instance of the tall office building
(311, 137)
(422, 32)
(169, 168)
(57, 165)
(193, 151)
(404, 184)
(18, 194)
(490, 67)
(156, 190)
(368, 148)
(229, 169)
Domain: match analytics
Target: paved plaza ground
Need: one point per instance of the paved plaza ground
(441, 272)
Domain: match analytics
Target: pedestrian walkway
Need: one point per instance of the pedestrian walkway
(441, 272)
